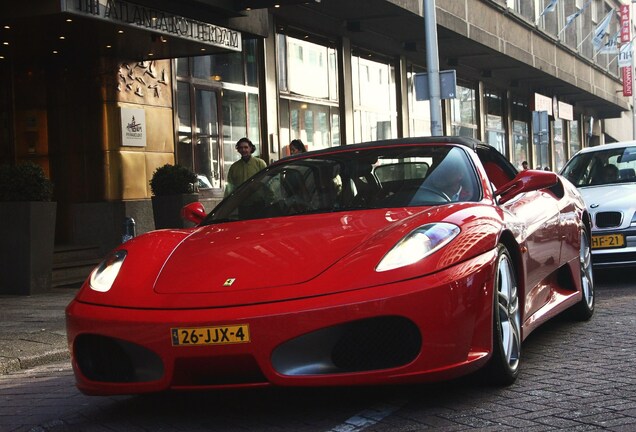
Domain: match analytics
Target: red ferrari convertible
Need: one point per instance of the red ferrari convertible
(380, 263)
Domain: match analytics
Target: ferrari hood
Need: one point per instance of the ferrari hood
(267, 253)
(278, 259)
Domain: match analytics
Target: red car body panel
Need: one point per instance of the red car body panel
(294, 281)
(456, 329)
(158, 269)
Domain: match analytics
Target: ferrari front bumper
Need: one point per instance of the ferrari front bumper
(430, 328)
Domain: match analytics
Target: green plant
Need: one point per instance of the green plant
(172, 180)
(24, 182)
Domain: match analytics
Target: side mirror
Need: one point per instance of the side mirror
(193, 212)
(526, 181)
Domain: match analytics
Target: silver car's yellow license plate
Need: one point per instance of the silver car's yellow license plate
(608, 241)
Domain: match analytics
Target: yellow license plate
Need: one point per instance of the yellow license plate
(608, 241)
(219, 335)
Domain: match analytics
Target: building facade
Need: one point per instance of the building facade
(102, 92)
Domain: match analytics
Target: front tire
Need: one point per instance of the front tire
(503, 366)
(584, 309)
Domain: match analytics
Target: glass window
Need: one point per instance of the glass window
(308, 93)
(281, 62)
(520, 131)
(206, 149)
(550, 18)
(214, 110)
(558, 128)
(587, 24)
(464, 112)
(571, 34)
(201, 67)
(234, 126)
(307, 68)
(335, 128)
(316, 125)
(575, 138)
(184, 155)
(333, 74)
(227, 67)
(602, 167)
(374, 104)
(541, 156)
(350, 180)
(495, 133)
(523, 7)
(253, 122)
(251, 62)
(520, 143)
(183, 68)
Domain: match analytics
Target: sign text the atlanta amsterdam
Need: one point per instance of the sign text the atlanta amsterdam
(122, 12)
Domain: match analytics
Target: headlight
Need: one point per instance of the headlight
(104, 275)
(418, 244)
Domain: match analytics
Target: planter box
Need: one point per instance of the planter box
(27, 231)
(167, 210)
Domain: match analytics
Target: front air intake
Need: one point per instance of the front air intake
(356, 346)
(106, 359)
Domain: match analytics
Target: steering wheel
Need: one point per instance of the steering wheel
(440, 194)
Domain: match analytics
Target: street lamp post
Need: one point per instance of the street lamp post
(432, 64)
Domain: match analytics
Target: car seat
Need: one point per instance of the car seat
(627, 174)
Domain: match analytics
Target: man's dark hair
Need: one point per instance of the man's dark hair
(247, 140)
(298, 145)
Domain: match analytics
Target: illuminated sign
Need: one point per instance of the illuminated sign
(123, 13)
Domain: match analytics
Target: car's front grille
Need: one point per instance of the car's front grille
(608, 219)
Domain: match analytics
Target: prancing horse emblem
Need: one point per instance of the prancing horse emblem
(229, 282)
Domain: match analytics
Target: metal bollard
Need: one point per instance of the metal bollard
(129, 229)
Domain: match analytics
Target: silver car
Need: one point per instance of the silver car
(606, 177)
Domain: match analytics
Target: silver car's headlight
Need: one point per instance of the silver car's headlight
(104, 275)
(417, 245)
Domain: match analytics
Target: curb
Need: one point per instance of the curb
(9, 365)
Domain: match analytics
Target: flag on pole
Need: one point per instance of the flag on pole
(570, 19)
(549, 8)
(611, 46)
(625, 55)
(601, 29)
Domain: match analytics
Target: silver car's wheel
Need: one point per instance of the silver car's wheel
(584, 309)
(503, 367)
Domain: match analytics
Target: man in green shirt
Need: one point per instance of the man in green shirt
(245, 167)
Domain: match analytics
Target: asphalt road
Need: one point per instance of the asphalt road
(575, 376)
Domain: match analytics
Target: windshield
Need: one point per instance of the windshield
(617, 165)
(397, 176)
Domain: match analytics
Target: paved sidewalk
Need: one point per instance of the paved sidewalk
(32, 329)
